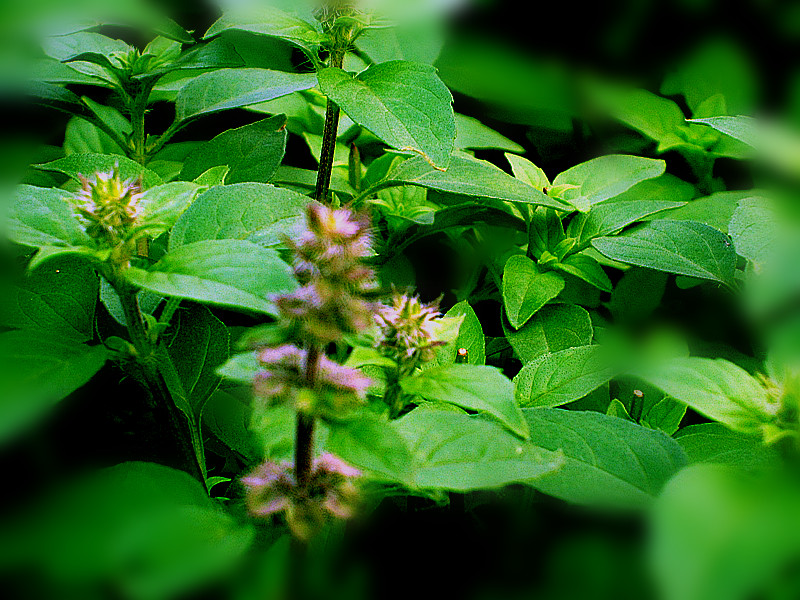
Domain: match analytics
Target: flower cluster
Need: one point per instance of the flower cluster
(109, 205)
(336, 284)
(333, 391)
(273, 488)
(408, 331)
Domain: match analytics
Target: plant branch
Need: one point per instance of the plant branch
(329, 134)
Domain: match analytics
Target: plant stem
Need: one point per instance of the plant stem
(329, 134)
(304, 436)
(139, 134)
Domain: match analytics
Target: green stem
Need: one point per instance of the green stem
(169, 310)
(139, 135)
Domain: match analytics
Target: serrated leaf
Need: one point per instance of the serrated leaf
(233, 273)
(474, 387)
(682, 247)
(608, 461)
(565, 376)
(389, 98)
(245, 211)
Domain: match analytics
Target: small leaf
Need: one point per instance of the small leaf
(526, 171)
(224, 89)
(564, 376)
(586, 268)
(233, 273)
(470, 337)
(389, 98)
(474, 387)
(682, 247)
(526, 289)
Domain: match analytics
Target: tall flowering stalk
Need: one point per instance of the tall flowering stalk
(333, 301)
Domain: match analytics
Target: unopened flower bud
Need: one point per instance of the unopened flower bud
(408, 330)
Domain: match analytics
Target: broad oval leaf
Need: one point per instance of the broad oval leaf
(526, 289)
(403, 103)
(716, 388)
(469, 177)
(608, 461)
(714, 443)
(244, 211)
(37, 370)
(555, 327)
(606, 177)
(564, 376)
(40, 217)
(474, 387)
(470, 337)
(233, 273)
(454, 451)
(252, 153)
(59, 298)
(224, 89)
(681, 247)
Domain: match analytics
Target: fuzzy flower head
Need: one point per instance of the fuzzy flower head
(109, 205)
(408, 330)
(330, 492)
(333, 393)
(333, 247)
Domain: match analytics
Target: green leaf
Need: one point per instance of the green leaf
(637, 295)
(37, 370)
(233, 273)
(754, 228)
(272, 22)
(84, 45)
(665, 415)
(526, 171)
(227, 415)
(474, 135)
(241, 368)
(389, 98)
(609, 461)
(682, 247)
(89, 164)
(526, 289)
(643, 199)
(163, 205)
(474, 387)
(58, 298)
(253, 152)
(374, 445)
(553, 328)
(606, 177)
(564, 376)
(715, 210)
(713, 443)
(469, 177)
(586, 268)
(420, 41)
(245, 211)
(470, 336)
(457, 452)
(717, 532)
(216, 54)
(234, 88)
(42, 217)
(716, 388)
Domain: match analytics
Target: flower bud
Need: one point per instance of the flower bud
(108, 206)
(408, 329)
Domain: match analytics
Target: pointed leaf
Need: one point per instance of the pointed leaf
(526, 289)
